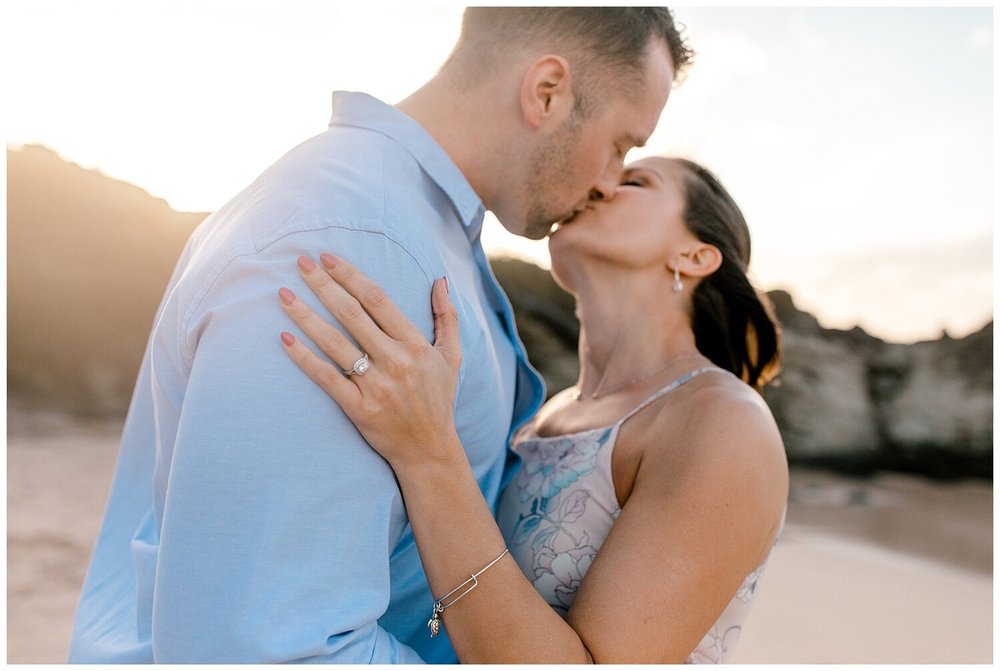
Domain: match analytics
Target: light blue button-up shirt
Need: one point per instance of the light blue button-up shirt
(248, 520)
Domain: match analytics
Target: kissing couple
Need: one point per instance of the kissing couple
(391, 488)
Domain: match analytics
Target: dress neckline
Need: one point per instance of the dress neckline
(532, 434)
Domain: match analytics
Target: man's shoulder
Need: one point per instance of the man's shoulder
(345, 177)
(349, 155)
(347, 190)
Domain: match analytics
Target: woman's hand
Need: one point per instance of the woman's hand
(402, 401)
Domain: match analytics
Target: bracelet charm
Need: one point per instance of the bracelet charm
(434, 624)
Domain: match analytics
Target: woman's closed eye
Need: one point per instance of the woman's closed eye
(640, 177)
(634, 177)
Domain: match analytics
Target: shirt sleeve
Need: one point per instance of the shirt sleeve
(278, 519)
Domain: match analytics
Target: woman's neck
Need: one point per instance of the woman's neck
(630, 332)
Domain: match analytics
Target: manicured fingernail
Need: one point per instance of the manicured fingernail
(287, 338)
(447, 289)
(329, 260)
(287, 297)
(306, 264)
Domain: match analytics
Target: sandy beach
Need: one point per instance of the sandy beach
(891, 569)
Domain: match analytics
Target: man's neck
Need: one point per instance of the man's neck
(457, 122)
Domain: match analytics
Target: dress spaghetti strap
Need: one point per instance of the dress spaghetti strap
(687, 377)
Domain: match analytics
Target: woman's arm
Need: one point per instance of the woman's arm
(703, 513)
(403, 407)
(666, 570)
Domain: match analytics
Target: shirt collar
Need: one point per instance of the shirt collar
(364, 111)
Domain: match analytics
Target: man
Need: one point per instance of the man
(248, 520)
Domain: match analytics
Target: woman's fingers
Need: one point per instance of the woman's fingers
(372, 298)
(328, 338)
(329, 378)
(446, 338)
(344, 307)
(408, 397)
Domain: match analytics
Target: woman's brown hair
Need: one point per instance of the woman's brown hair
(734, 324)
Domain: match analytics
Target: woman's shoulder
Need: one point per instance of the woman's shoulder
(716, 429)
(723, 400)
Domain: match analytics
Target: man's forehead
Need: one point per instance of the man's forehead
(638, 101)
(658, 77)
(638, 110)
(638, 119)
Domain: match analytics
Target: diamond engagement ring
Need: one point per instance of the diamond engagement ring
(360, 366)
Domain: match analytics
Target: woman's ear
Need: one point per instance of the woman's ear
(700, 260)
(546, 91)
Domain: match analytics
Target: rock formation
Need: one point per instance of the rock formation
(89, 257)
(847, 398)
(844, 399)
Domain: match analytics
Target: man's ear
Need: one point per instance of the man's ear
(700, 260)
(546, 91)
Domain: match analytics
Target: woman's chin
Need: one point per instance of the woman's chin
(565, 241)
(576, 241)
(557, 246)
(561, 265)
(560, 280)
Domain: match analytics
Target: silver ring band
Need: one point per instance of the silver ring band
(360, 366)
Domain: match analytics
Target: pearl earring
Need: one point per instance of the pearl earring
(678, 285)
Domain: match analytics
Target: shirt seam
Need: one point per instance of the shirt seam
(196, 303)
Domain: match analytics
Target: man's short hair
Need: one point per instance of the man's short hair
(606, 46)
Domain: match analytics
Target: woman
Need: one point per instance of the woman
(650, 493)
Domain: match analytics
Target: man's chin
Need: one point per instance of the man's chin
(536, 231)
(539, 233)
(532, 228)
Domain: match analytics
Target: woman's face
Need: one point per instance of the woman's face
(638, 226)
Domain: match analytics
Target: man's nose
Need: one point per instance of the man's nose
(606, 187)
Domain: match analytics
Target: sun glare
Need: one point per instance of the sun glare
(191, 101)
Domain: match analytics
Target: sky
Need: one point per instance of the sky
(858, 141)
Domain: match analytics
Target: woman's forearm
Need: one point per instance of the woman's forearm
(502, 620)
(401, 407)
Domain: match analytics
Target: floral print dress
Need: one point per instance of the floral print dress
(557, 512)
